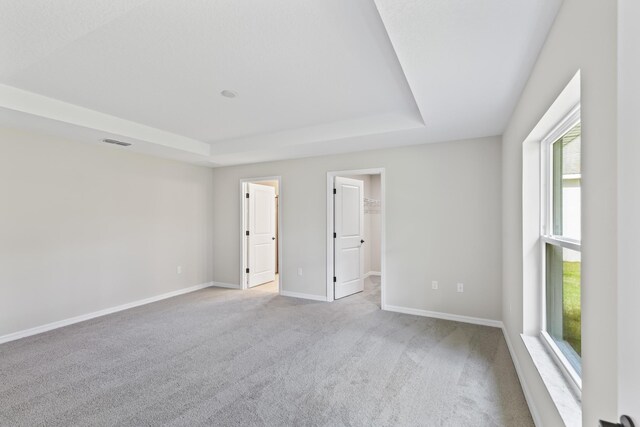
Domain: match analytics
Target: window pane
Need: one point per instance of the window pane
(563, 301)
(566, 178)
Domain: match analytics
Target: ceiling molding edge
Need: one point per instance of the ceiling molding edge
(31, 103)
(402, 66)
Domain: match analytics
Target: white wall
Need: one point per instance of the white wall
(88, 227)
(583, 37)
(443, 223)
(629, 208)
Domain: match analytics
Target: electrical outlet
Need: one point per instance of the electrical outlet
(460, 287)
(299, 271)
(179, 269)
(434, 284)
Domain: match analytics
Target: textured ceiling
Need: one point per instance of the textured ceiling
(314, 77)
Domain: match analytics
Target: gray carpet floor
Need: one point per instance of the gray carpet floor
(244, 358)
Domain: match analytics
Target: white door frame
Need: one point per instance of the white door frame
(330, 242)
(243, 227)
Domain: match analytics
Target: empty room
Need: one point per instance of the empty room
(319, 213)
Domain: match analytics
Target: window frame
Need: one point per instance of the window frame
(547, 237)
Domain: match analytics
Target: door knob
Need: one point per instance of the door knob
(625, 421)
(361, 241)
(273, 238)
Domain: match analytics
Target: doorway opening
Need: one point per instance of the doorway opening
(356, 234)
(261, 246)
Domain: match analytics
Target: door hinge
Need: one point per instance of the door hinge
(334, 279)
(334, 191)
(334, 235)
(247, 270)
(246, 233)
(246, 195)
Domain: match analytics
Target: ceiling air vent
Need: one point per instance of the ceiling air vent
(116, 142)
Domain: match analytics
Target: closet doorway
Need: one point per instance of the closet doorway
(355, 234)
(260, 233)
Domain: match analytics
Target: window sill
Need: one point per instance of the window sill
(561, 392)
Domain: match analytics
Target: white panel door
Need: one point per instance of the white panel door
(262, 234)
(349, 229)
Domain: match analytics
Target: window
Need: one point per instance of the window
(560, 241)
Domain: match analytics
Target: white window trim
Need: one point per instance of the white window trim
(568, 122)
(572, 176)
(547, 237)
(564, 242)
(561, 360)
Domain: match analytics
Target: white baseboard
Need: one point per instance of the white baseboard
(225, 285)
(525, 387)
(445, 316)
(373, 273)
(304, 296)
(61, 323)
